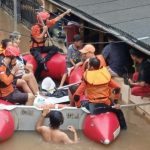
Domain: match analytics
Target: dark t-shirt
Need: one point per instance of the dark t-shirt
(118, 58)
(73, 54)
(144, 71)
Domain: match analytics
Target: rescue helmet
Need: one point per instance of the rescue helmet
(42, 16)
(12, 51)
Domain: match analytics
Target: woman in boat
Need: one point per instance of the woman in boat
(53, 133)
(96, 87)
(24, 78)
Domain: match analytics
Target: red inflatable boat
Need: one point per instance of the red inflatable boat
(102, 128)
(56, 67)
(6, 123)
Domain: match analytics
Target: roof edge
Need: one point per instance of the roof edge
(131, 41)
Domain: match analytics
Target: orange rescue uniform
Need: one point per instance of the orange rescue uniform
(96, 86)
(36, 31)
(6, 86)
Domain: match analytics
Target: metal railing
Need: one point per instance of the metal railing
(26, 10)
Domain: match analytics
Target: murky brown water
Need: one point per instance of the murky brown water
(7, 26)
(137, 137)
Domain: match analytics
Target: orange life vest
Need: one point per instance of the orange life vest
(97, 87)
(36, 30)
(6, 79)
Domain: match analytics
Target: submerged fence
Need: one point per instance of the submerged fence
(26, 10)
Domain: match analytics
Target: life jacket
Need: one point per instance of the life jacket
(36, 30)
(97, 88)
(6, 79)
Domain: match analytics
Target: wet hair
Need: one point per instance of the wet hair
(73, 88)
(4, 43)
(137, 53)
(94, 62)
(14, 35)
(56, 119)
(77, 38)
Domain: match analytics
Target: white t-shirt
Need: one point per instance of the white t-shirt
(20, 63)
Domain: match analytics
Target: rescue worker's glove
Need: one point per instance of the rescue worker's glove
(76, 98)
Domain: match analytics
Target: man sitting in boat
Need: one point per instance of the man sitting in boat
(8, 69)
(53, 133)
(38, 38)
(24, 77)
(96, 87)
(141, 79)
(73, 58)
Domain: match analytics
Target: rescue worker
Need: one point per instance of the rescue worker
(38, 38)
(53, 133)
(96, 87)
(87, 53)
(8, 69)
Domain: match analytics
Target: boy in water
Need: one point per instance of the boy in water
(53, 133)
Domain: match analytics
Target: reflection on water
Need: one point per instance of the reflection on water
(137, 137)
(7, 26)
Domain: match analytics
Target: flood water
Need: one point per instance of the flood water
(7, 26)
(136, 137)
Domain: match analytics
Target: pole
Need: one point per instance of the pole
(15, 15)
(132, 105)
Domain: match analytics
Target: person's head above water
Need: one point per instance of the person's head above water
(56, 119)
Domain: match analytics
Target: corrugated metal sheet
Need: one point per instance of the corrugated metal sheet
(130, 16)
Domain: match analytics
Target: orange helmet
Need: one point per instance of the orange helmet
(43, 16)
(12, 51)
